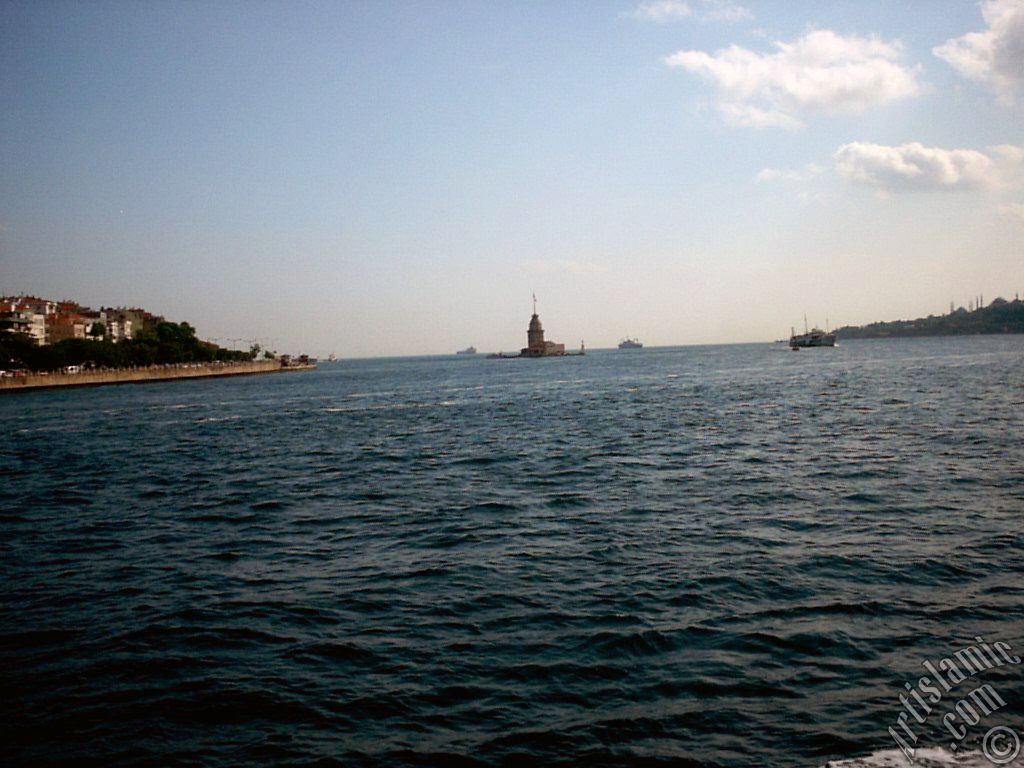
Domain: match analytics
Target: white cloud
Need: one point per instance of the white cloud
(1015, 211)
(819, 73)
(726, 11)
(749, 116)
(806, 173)
(662, 11)
(915, 167)
(994, 57)
(1008, 152)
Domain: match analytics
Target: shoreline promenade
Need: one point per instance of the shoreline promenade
(35, 381)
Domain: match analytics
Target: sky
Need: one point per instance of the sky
(398, 178)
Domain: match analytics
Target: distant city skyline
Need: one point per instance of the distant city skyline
(398, 178)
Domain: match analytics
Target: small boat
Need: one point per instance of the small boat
(467, 351)
(628, 343)
(815, 337)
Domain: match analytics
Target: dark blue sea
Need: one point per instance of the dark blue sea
(701, 556)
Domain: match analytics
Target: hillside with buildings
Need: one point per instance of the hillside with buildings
(45, 335)
(1001, 316)
(49, 322)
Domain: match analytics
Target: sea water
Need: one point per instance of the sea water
(722, 556)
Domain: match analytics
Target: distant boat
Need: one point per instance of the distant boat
(630, 344)
(467, 351)
(815, 337)
(331, 358)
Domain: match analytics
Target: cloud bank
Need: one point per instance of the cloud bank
(995, 57)
(819, 73)
(915, 167)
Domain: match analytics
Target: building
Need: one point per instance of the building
(25, 314)
(95, 328)
(69, 307)
(49, 322)
(32, 324)
(117, 324)
(140, 319)
(37, 326)
(16, 322)
(31, 304)
(65, 325)
(536, 346)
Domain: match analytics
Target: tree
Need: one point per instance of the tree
(167, 343)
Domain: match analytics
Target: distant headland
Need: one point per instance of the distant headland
(1001, 316)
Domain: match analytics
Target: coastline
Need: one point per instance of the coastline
(37, 381)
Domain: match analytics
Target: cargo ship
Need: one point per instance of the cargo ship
(630, 344)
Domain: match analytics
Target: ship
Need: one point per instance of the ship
(630, 344)
(467, 351)
(815, 337)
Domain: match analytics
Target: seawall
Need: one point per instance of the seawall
(34, 381)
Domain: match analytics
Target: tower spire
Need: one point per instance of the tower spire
(535, 302)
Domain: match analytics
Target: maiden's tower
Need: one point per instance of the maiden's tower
(535, 344)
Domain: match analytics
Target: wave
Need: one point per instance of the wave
(929, 757)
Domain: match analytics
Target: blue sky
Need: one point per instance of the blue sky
(397, 178)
